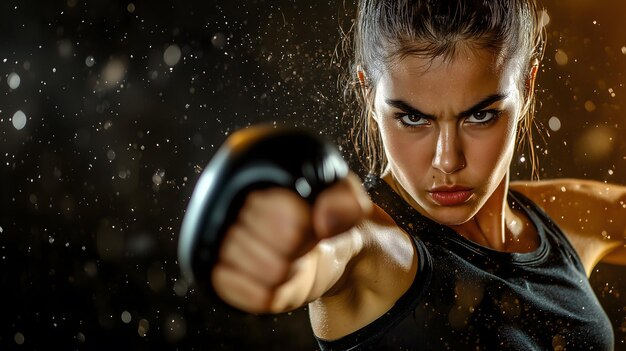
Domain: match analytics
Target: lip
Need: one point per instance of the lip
(450, 195)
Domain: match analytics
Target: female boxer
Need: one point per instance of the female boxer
(444, 253)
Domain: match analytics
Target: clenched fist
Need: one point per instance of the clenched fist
(264, 251)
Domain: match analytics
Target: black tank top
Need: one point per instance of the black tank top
(469, 297)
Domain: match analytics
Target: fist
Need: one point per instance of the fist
(274, 229)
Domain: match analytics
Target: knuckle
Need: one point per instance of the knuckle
(262, 300)
(240, 290)
(277, 272)
(278, 217)
(229, 244)
(289, 239)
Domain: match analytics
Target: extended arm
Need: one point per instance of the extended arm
(281, 254)
(351, 278)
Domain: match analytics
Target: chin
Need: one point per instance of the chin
(450, 216)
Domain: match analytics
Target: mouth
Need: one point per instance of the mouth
(450, 195)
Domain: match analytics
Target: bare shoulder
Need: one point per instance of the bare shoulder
(567, 197)
(582, 188)
(591, 213)
(374, 280)
(390, 250)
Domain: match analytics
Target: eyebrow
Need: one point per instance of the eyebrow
(402, 105)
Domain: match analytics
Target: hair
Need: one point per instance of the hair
(387, 31)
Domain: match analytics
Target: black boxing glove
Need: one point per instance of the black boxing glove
(250, 159)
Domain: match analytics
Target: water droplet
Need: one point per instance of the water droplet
(561, 57)
(172, 55)
(126, 317)
(14, 80)
(219, 40)
(590, 106)
(143, 327)
(554, 123)
(90, 61)
(19, 338)
(596, 143)
(157, 178)
(19, 120)
(111, 155)
(113, 72)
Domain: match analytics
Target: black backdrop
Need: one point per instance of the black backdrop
(125, 102)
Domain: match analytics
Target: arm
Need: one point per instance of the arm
(281, 254)
(592, 214)
(350, 279)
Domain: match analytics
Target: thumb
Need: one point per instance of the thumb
(340, 207)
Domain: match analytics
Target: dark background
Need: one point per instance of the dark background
(93, 188)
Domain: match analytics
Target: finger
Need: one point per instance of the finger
(238, 290)
(246, 253)
(281, 219)
(340, 207)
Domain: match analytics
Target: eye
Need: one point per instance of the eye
(413, 120)
(482, 117)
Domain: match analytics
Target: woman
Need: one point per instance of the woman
(445, 253)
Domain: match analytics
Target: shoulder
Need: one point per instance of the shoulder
(388, 254)
(582, 188)
(374, 280)
(590, 213)
(569, 197)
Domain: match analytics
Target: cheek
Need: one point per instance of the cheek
(492, 155)
(407, 153)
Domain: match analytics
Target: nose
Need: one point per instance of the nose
(449, 157)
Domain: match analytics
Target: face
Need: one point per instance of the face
(448, 128)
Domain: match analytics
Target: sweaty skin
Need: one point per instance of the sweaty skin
(449, 125)
(449, 130)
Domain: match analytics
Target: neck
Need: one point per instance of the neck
(495, 225)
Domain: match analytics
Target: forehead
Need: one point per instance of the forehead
(464, 77)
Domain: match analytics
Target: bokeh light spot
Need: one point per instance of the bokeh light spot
(172, 55)
(19, 120)
(554, 123)
(561, 57)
